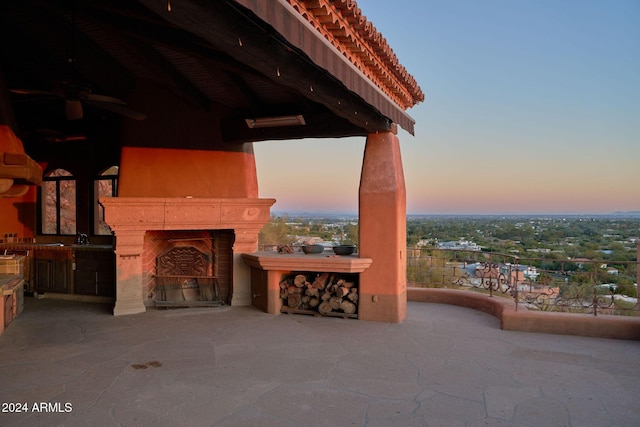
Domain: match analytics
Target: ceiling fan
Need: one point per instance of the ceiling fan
(75, 94)
(54, 136)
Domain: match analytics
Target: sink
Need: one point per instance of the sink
(74, 246)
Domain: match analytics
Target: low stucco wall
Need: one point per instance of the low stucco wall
(619, 327)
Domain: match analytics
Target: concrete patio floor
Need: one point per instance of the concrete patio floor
(237, 366)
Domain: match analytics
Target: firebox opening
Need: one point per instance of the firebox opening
(189, 268)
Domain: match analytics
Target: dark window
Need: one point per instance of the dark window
(58, 203)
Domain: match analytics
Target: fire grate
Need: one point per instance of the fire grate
(184, 277)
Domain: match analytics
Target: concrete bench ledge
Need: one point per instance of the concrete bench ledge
(618, 327)
(307, 262)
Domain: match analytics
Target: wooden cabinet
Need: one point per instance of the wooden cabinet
(95, 273)
(52, 271)
(74, 269)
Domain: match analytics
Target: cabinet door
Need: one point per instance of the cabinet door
(85, 282)
(106, 274)
(95, 273)
(60, 275)
(52, 275)
(106, 282)
(44, 281)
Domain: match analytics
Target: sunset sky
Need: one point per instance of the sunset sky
(532, 106)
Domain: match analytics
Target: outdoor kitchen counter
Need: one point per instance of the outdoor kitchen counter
(53, 246)
(11, 298)
(9, 282)
(267, 269)
(56, 268)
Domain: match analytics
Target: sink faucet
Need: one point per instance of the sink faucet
(82, 239)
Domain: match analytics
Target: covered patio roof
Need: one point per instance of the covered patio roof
(248, 58)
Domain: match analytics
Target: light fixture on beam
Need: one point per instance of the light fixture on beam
(272, 122)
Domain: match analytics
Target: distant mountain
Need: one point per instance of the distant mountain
(316, 214)
(627, 213)
(336, 214)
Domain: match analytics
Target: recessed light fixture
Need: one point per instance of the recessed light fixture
(271, 122)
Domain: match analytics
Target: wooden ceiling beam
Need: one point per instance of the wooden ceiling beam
(231, 29)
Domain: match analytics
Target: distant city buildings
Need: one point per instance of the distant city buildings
(461, 244)
(612, 271)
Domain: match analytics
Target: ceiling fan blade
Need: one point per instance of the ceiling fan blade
(51, 135)
(74, 94)
(102, 98)
(73, 109)
(34, 92)
(119, 109)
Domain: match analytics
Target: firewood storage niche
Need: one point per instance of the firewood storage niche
(327, 294)
(184, 277)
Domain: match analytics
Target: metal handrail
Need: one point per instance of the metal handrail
(574, 286)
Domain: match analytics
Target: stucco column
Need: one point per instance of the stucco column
(383, 229)
(129, 298)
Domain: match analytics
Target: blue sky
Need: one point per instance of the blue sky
(531, 107)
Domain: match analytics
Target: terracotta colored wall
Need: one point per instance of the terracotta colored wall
(178, 151)
(169, 172)
(18, 214)
(9, 214)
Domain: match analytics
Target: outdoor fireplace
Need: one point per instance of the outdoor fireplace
(149, 228)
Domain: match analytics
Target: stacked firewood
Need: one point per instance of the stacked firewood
(325, 293)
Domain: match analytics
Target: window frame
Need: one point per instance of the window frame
(98, 210)
(42, 199)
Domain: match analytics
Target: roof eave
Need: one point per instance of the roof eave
(296, 31)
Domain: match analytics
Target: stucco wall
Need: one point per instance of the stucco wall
(178, 151)
(619, 327)
(163, 172)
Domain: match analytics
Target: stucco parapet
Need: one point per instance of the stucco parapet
(617, 327)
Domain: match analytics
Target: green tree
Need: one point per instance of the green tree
(351, 234)
(276, 232)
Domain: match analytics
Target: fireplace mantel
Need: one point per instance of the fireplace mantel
(176, 213)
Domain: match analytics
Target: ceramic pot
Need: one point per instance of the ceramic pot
(312, 249)
(344, 249)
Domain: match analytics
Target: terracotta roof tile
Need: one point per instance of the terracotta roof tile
(342, 23)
